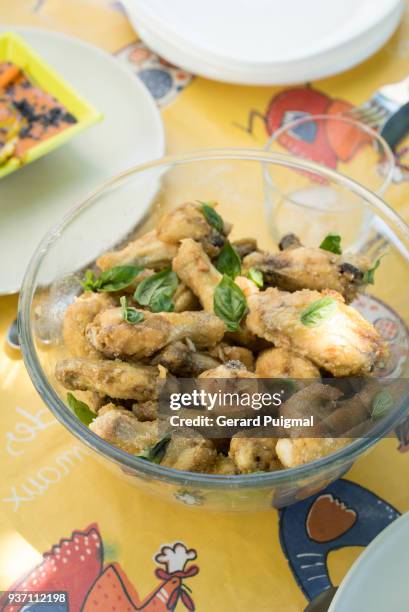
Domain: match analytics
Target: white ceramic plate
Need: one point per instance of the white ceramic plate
(378, 580)
(36, 197)
(265, 41)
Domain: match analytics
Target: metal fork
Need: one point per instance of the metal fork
(382, 105)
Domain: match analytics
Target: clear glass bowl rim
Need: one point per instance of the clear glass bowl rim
(157, 472)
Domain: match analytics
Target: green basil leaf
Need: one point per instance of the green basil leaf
(332, 243)
(317, 312)
(212, 217)
(89, 282)
(381, 405)
(162, 303)
(129, 313)
(156, 452)
(80, 409)
(369, 276)
(256, 276)
(157, 291)
(117, 278)
(229, 303)
(114, 279)
(229, 261)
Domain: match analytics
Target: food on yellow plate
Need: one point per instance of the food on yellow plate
(28, 115)
(183, 301)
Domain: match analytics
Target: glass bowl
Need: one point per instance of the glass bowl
(129, 205)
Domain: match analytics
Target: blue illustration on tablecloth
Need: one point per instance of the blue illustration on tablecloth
(344, 514)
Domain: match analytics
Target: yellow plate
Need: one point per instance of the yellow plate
(14, 49)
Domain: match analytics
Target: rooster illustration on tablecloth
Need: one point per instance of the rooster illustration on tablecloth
(344, 514)
(76, 566)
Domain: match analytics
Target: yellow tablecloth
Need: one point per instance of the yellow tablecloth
(51, 487)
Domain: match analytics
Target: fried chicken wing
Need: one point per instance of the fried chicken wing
(224, 466)
(184, 361)
(146, 411)
(343, 343)
(284, 363)
(147, 251)
(226, 352)
(115, 379)
(301, 267)
(253, 454)
(185, 299)
(315, 400)
(122, 429)
(195, 269)
(77, 316)
(245, 246)
(230, 369)
(193, 454)
(188, 221)
(293, 452)
(114, 337)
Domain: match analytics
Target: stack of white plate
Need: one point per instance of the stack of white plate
(265, 42)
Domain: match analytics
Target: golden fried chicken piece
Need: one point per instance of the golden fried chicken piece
(224, 466)
(342, 342)
(77, 316)
(245, 246)
(185, 299)
(283, 363)
(147, 251)
(230, 379)
(122, 429)
(146, 411)
(193, 454)
(226, 352)
(195, 269)
(310, 268)
(188, 221)
(110, 378)
(253, 454)
(230, 369)
(183, 360)
(314, 399)
(293, 452)
(114, 337)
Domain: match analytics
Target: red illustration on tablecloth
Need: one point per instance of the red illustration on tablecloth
(76, 566)
(322, 142)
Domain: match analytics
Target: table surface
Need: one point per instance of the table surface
(52, 487)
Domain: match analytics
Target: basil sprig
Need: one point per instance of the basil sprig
(229, 303)
(229, 261)
(317, 312)
(381, 404)
(80, 409)
(212, 217)
(156, 452)
(332, 243)
(129, 313)
(114, 279)
(369, 276)
(156, 291)
(256, 276)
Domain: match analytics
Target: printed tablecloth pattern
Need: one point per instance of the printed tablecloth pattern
(106, 540)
